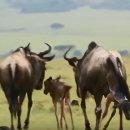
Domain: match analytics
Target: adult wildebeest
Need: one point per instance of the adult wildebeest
(20, 73)
(110, 96)
(59, 92)
(100, 72)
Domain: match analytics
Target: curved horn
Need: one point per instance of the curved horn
(66, 54)
(45, 52)
(70, 60)
(49, 58)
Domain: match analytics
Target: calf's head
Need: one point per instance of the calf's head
(47, 85)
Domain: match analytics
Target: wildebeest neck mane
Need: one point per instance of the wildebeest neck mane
(35, 63)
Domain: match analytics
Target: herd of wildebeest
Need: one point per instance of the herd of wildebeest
(100, 72)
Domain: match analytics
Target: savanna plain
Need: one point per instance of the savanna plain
(42, 114)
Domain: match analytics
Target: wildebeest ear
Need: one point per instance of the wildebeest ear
(50, 78)
(92, 45)
(58, 78)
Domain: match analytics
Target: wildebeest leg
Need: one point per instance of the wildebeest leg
(63, 115)
(11, 114)
(109, 99)
(55, 107)
(121, 121)
(98, 110)
(112, 114)
(29, 94)
(21, 99)
(68, 102)
(10, 108)
(83, 106)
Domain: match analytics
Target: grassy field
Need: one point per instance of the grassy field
(42, 114)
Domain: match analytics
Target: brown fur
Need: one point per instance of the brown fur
(59, 92)
(91, 74)
(21, 73)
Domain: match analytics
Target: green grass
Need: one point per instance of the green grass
(42, 114)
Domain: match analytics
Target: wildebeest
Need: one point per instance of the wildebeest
(20, 73)
(100, 72)
(59, 92)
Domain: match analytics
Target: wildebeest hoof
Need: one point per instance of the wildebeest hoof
(25, 127)
(125, 105)
(19, 127)
(66, 127)
(5, 128)
(88, 128)
(73, 128)
(12, 128)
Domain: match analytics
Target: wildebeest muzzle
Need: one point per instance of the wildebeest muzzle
(125, 105)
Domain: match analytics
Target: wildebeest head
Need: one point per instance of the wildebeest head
(50, 84)
(76, 63)
(26, 49)
(38, 62)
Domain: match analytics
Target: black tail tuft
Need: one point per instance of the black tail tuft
(13, 94)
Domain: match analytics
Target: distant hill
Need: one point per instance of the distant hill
(124, 53)
(4, 55)
(59, 51)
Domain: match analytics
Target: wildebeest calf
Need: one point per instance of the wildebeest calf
(59, 92)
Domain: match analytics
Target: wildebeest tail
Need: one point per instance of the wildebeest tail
(13, 94)
(117, 69)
